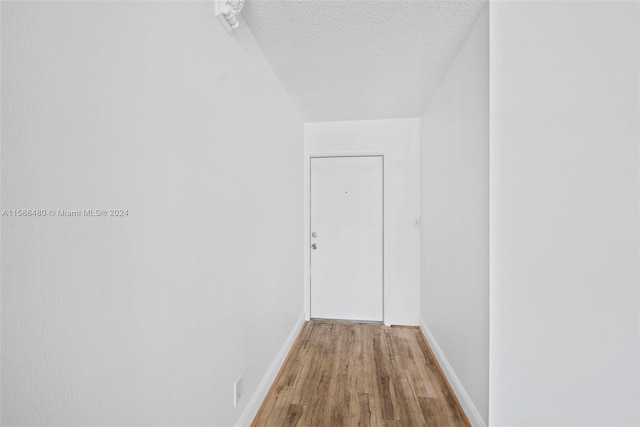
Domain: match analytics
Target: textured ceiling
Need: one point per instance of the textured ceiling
(360, 59)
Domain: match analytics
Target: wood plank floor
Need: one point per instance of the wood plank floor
(360, 374)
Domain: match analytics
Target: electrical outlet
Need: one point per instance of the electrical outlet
(237, 391)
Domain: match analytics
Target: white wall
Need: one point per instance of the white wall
(146, 319)
(399, 140)
(455, 227)
(564, 214)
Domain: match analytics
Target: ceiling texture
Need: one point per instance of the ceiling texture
(360, 59)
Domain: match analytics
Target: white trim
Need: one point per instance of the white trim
(404, 320)
(469, 408)
(639, 198)
(386, 161)
(254, 404)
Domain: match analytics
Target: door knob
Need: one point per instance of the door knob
(314, 246)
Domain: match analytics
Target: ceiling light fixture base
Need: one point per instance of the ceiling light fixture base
(227, 12)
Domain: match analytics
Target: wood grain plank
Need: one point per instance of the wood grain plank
(360, 374)
(364, 413)
(293, 415)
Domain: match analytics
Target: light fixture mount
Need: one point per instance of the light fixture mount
(227, 12)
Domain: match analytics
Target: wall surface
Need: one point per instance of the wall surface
(399, 140)
(146, 319)
(564, 214)
(455, 218)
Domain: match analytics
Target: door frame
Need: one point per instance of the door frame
(385, 222)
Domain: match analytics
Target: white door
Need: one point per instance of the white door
(347, 238)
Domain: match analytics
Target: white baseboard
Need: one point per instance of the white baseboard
(256, 400)
(464, 399)
(405, 320)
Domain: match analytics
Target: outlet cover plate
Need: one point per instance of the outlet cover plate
(237, 391)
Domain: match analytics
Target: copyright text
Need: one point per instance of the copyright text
(90, 213)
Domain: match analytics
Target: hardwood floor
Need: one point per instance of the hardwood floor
(360, 374)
